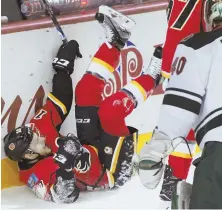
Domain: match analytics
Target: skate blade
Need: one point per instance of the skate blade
(121, 19)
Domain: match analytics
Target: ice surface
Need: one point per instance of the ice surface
(133, 195)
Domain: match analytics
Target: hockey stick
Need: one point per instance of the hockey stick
(135, 159)
(55, 22)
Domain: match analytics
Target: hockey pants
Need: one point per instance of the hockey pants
(207, 184)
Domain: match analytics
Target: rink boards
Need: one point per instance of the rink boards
(27, 74)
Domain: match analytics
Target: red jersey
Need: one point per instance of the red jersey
(41, 177)
(184, 19)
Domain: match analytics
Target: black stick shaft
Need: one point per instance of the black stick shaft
(55, 22)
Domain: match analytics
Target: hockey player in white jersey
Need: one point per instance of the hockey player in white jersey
(193, 98)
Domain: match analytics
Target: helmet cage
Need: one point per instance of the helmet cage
(212, 12)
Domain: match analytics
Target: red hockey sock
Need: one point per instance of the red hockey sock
(146, 81)
(180, 166)
(88, 91)
(108, 54)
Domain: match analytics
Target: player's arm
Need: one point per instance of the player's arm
(52, 178)
(59, 100)
(184, 94)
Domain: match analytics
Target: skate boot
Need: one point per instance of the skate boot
(155, 64)
(116, 25)
(169, 182)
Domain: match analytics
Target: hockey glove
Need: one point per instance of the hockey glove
(153, 156)
(64, 61)
(64, 189)
(69, 151)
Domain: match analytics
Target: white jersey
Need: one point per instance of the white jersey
(193, 98)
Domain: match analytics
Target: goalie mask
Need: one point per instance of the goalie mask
(25, 142)
(212, 14)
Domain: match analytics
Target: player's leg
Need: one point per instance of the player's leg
(88, 92)
(207, 183)
(118, 106)
(115, 155)
(105, 167)
(178, 166)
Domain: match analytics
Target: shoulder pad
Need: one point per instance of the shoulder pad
(199, 40)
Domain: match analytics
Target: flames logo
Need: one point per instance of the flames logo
(129, 68)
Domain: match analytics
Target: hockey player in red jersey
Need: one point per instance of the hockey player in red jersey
(184, 18)
(115, 152)
(38, 145)
(55, 167)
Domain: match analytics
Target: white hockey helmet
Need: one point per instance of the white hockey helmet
(212, 14)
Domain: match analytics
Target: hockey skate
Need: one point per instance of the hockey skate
(154, 67)
(116, 25)
(169, 182)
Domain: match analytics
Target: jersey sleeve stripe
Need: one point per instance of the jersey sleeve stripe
(182, 102)
(185, 91)
(58, 103)
(208, 117)
(210, 125)
(185, 95)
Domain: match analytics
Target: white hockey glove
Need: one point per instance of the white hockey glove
(152, 158)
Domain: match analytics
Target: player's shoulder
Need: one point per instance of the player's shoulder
(199, 40)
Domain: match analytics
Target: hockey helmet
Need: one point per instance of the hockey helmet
(212, 14)
(16, 143)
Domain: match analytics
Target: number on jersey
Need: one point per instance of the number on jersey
(184, 15)
(40, 114)
(178, 65)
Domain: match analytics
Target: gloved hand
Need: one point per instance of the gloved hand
(152, 158)
(113, 111)
(83, 163)
(64, 61)
(69, 151)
